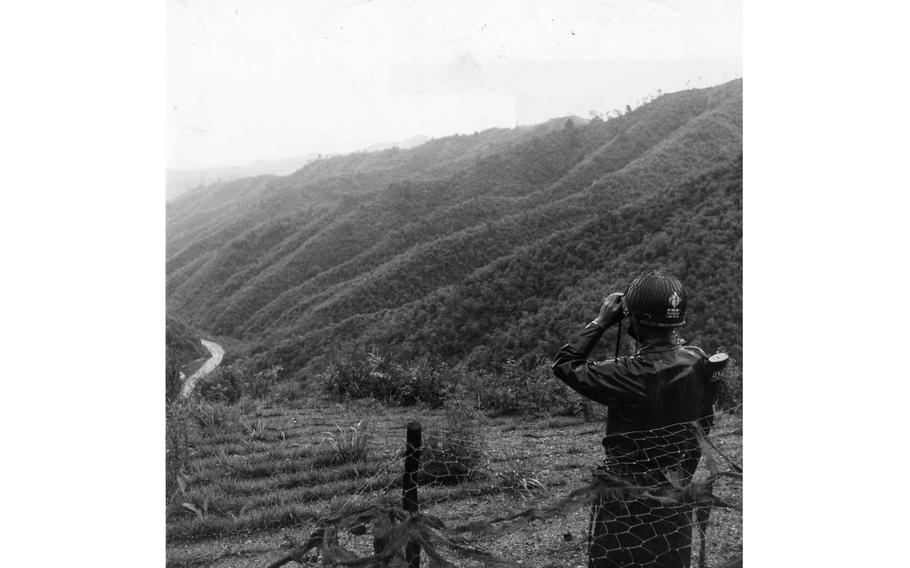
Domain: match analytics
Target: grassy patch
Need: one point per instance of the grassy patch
(272, 469)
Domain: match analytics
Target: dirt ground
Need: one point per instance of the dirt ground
(259, 482)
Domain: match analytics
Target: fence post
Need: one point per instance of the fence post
(409, 486)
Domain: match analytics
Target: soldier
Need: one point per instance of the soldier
(654, 399)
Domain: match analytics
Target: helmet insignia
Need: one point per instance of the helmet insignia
(673, 311)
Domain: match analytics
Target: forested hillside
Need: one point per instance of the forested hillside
(181, 343)
(471, 249)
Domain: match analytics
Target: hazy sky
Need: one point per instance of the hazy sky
(274, 79)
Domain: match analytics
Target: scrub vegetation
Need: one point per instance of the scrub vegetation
(182, 343)
(470, 250)
(367, 290)
(250, 481)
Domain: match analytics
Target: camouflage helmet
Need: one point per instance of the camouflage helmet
(655, 299)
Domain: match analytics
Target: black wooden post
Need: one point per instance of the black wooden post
(409, 486)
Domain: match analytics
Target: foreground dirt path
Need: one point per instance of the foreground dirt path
(217, 354)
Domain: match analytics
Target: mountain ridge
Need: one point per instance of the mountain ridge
(179, 181)
(353, 250)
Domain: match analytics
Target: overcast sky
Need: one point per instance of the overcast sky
(275, 79)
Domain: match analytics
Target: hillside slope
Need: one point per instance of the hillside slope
(472, 248)
(182, 344)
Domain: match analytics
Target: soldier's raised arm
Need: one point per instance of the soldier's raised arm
(606, 382)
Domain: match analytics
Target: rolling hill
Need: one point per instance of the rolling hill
(471, 248)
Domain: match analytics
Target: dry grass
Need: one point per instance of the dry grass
(265, 478)
(344, 445)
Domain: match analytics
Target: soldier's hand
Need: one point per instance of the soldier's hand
(610, 310)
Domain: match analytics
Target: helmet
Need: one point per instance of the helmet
(655, 299)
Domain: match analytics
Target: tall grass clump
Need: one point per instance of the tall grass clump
(515, 474)
(212, 417)
(345, 445)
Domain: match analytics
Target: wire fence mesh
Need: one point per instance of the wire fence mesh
(665, 497)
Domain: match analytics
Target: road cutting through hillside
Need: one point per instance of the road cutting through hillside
(217, 354)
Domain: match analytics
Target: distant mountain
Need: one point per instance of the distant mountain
(471, 249)
(179, 181)
(406, 145)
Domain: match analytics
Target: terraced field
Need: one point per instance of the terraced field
(258, 477)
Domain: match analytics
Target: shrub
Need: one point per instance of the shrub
(261, 383)
(428, 383)
(350, 378)
(290, 391)
(512, 390)
(456, 452)
(229, 383)
(378, 377)
(730, 393)
(220, 386)
(516, 390)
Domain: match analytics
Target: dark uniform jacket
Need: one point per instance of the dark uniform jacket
(650, 396)
(654, 400)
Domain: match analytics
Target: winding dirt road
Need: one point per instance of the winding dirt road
(217, 354)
